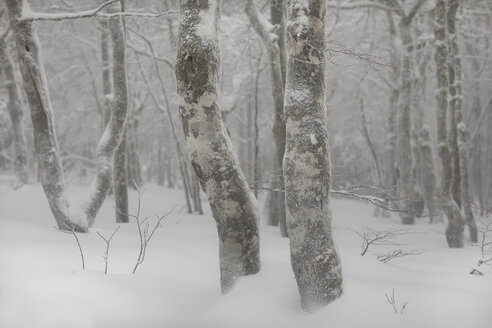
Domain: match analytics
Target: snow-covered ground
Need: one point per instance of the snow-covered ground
(42, 283)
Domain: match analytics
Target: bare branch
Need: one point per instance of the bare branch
(360, 4)
(71, 229)
(96, 12)
(106, 252)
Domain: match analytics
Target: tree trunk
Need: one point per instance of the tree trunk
(457, 101)
(15, 112)
(115, 130)
(267, 33)
(314, 257)
(45, 142)
(405, 158)
(454, 230)
(120, 182)
(197, 75)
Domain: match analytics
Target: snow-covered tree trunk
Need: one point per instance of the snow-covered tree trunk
(14, 108)
(45, 142)
(307, 175)
(197, 75)
(454, 230)
(457, 104)
(267, 33)
(113, 134)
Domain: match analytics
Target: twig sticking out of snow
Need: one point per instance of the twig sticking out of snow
(71, 229)
(145, 232)
(106, 252)
(371, 237)
(386, 257)
(392, 301)
(485, 247)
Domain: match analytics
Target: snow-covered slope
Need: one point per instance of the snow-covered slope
(42, 283)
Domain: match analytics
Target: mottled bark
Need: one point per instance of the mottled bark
(314, 257)
(270, 38)
(197, 75)
(457, 103)
(16, 114)
(454, 230)
(45, 142)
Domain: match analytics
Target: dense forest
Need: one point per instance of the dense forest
(309, 134)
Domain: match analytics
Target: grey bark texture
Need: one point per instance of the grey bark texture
(462, 134)
(197, 70)
(307, 175)
(271, 37)
(45, 142)
(454, 230)
(16, 114)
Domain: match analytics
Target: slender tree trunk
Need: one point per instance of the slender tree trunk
(452, 123)
(457, 103)
(120, 87)
(314, 257)
(405, 158)
(14, 108)
(390, 167)
(454, 230)
(45, 142)
(267, 33)
(197, 76)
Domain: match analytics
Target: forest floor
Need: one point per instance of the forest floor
(42, 283)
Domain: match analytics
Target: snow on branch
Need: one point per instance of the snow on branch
(359, 4)
(29, 16)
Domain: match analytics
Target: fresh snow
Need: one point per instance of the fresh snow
(42, 284)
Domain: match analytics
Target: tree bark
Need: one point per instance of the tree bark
(16, 114)
(405, 158)
(267, 33)
(45, 142)
(457, 101)
(454, 230)
(314, 257)
(197, 75)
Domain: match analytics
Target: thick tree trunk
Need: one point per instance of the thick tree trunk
(314, 257)
(454, 230)
(45, 142)
(15, 112)
(457, 101)
(197, 76)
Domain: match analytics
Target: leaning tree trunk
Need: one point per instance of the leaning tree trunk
(457, 101)
(454, 230)
(197, 75)
(271, 39)
(45, 142)
(114, 133)
(314, 257)
(15, 112)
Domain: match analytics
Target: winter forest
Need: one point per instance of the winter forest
(245, 163)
